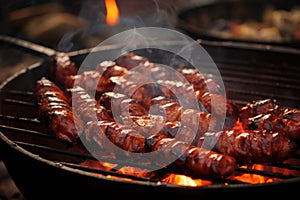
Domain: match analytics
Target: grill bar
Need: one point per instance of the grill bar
(265, 173)
(15, 101)
(26, 131)
(23, 119)
(80, 155)
(27, 46)
(110, 173)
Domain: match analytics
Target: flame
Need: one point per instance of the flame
(98, 164)
(185, 180)
(238, 126)
(170, 178)
(254, 178)
(112, 12)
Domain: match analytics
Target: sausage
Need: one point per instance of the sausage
(201, 81)
(56, 113)
(251, 146)
(263, 106)
(266, 114)
(201, 164)
(191, 160)
(146, 125)
(220, 107)
(287, 126)
(120, 135)
(87, 107)
(62, 67)
(131, 60)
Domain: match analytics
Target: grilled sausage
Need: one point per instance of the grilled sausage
(219, 106)
(56, 113)
(87, 107)
(201, 164)
(191, 160)
(62, 67)
(95, 81)
(258, 107)
(287, 126)
(201, 81)
(250, 147)
(131, 60)
(122, 136)
(266, 114)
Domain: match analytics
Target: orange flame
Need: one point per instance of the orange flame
(254, 178)
(112, 12)
(185, 180)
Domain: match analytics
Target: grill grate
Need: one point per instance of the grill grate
(261, 77)
(59, 152)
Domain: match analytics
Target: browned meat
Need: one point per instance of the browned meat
(288, 127)
(109, 99)
(87, 107)
(191, 160)
(201, 164)
(87, 80)
(106, 83)
(136, 86)
(268, 115)
(199, 122)
(258, 107)
(131, 60)
(122, 136)
(190, 129)
(131, 107)
(146, 125)
(122, 106)
(176, 90)
(220, 107)
(250, 147)
(166, 107)
(201, 81)
(62, 67)
(55, 112)
(180, 132)
(291, 114)
(96, 81)
(198, 80)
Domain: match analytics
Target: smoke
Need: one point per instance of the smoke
(133, 14)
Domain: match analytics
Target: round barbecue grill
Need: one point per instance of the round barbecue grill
(43, 167)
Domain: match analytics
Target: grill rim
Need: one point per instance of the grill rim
(200, 32)
(17, 149)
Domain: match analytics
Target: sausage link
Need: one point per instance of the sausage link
(56, 113)
(249, 147)
(191, 160)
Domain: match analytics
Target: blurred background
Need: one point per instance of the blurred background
(69, 25)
